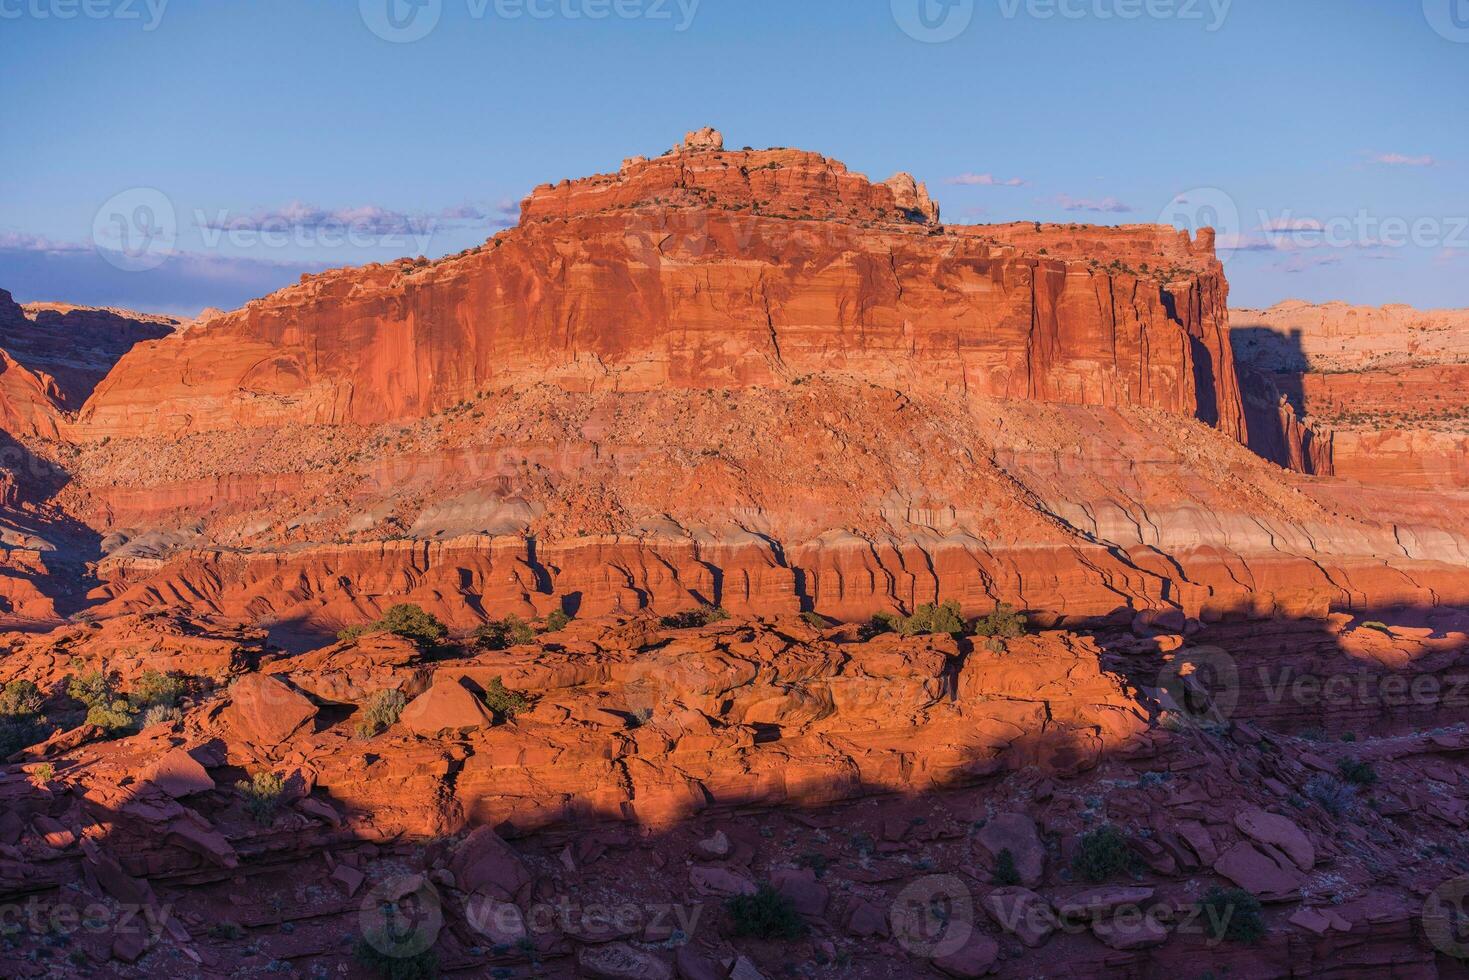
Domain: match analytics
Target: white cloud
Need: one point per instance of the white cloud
(1403, 160)
(1106, 205)
(984, 180)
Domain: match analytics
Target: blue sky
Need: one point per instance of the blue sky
(1331, 135)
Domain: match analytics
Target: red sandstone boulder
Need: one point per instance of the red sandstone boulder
(447, 706)
(1274, 830)
(1016, 833)
(179, 774)
(266, 712)
(1261, 876)
(485, 864)
(976, 958)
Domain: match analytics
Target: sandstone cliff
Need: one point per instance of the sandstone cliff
(1384, 387)
(709, 269)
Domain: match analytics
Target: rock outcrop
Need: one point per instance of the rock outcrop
(1373, 394)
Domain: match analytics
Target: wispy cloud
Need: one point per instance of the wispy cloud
(1106, 205)
(368, 219)
(984, 180)
(1291, 224)
(1403, 160)
(19, 241)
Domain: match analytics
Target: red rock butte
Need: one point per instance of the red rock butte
(749, 378)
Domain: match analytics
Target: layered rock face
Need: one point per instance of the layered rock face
(706, 269)
(751, 378)
(73, 347)
(1383, 389)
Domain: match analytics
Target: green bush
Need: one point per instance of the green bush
(693, 618)
(501, 634)
(406, 620)
(262, 794)
(92, 688)
(1004, 623)
(381, 712)
(1356, 772)
(1102, 855)
(114, 717)
(21, 698)
(929, 618)
(1005, 871)
(504, 703)
(556, 622)
(767, 914)
(392, 965)
(1232, 914)
(879, 624)
(350, 634)
(156, 689)
(926, 619)
(411, 622)
(815, 619)
(20, 732)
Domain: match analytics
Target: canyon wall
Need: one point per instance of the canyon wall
(1383, 387)
(707, 269)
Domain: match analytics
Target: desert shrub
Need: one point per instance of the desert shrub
(1380, 627)
(44, 773)
(1356, 772)
(381, 712)
(106, 708)
(1336, 798)
(557, 621)
(406, 620)
(411, 622)
(501, 634)
(21, 698)
(1232, 914)
(262, 794)
(692, 618)
(393, 965)
(767, 914)
(927, 618)
(641, 717)
(814, 619)
(19, 732)
(1102, 854)
(879, 624)
(158, 714)
(1006, 623)
(504, 703)
(114, 717)
(348, 634)
(930, 618)
(156, 689)
(92, 688)
(1005, 871)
